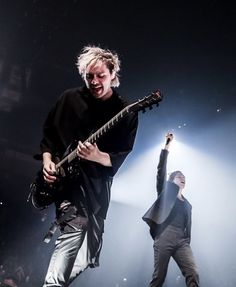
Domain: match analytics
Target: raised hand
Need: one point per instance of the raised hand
(169, 138)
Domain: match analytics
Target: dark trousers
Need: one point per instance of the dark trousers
(172, 243)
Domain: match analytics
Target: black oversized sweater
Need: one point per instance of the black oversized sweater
(75, 116)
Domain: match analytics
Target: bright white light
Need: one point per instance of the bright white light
(137, 185)
(207, 181)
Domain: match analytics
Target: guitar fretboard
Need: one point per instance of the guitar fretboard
(147, 101)
(95, 136)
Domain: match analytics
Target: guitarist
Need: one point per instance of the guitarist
(78, 113)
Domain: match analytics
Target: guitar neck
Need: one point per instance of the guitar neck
(95, 136)
(140, 105)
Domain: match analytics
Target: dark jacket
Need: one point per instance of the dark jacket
(157, 215)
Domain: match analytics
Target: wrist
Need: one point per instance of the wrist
(47, 157)
(104, 159)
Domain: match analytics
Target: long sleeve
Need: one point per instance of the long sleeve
(127, 133)
(48, 143)
(161, 171)
(59, 127)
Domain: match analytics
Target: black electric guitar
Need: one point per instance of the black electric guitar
(43, 194)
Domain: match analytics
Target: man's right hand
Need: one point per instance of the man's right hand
(49, 168)
(169, 138)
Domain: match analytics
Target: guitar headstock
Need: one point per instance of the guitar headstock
(147, 102)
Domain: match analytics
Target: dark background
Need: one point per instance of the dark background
(184, 48)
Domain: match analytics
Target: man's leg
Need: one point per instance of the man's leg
(162, 253)
(63, 258)
(185, 260)
(81, 261)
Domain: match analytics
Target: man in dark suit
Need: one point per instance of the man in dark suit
(169, 219)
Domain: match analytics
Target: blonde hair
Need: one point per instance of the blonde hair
(93, 53)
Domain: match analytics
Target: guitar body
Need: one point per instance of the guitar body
(42, 193)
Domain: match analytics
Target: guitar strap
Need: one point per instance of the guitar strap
(71, 210)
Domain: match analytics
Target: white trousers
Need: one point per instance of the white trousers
(69, 259)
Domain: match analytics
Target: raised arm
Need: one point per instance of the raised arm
(161, 168)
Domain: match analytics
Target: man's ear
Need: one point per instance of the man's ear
(113, 75)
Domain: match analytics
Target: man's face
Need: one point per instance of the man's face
(179, 180)
(98, 80)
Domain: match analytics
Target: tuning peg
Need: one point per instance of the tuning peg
(144, 111)
(150, 108)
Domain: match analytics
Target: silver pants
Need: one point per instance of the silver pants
(69, 259)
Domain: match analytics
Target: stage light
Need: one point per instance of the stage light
(136, 186)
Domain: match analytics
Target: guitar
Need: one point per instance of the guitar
(43, 194)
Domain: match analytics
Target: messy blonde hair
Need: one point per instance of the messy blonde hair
(93, 53)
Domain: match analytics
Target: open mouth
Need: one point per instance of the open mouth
(96, 89)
